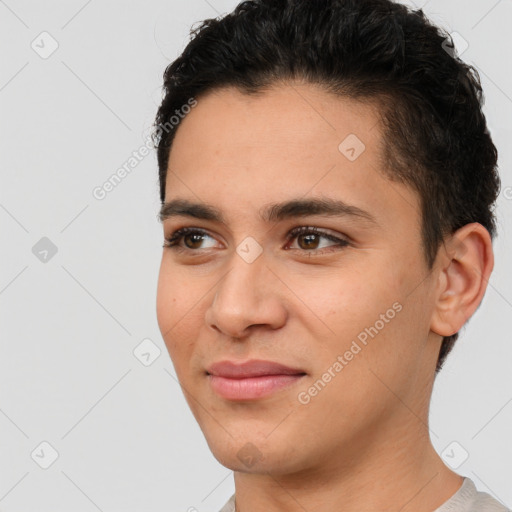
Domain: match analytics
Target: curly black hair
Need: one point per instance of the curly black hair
(435, 133)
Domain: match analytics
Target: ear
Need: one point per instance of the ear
(466, 261)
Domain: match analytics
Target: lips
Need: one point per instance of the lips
(254, 368)
(251, 380)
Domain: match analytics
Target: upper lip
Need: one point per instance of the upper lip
(253, 368)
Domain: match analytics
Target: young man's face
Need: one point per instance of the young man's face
(351, 318)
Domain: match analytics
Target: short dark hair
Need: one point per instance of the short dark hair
(435, 133)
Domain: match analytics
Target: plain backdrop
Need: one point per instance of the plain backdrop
(80, 82)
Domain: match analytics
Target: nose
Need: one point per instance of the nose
(248, 295)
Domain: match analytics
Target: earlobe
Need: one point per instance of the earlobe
(467, 263)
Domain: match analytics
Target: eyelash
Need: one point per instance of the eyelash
(176, 237)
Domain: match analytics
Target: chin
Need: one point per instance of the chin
(253, 453)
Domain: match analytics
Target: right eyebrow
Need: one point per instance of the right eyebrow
(185, 208)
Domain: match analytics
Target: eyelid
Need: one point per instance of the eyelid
(180, 233)
(342, 241)
(317, 231)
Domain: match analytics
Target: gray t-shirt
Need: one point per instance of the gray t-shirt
(466, 499)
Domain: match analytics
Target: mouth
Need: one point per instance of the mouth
(251, 380)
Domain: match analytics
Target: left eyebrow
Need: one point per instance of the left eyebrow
(295, 208)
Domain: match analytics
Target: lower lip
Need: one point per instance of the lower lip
(251, 388)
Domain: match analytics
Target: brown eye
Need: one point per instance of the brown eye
(309, 240)
(195, 240)
(192, 238)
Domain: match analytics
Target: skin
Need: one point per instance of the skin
(362, 443)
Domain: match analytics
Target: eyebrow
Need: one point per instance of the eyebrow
(295, 208)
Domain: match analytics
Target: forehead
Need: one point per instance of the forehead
(290, 121)
(238, 151)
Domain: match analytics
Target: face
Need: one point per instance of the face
(342, 306)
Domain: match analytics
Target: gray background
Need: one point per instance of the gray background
(125, 438)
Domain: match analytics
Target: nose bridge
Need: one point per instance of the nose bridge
(243, 297)
(240, 288)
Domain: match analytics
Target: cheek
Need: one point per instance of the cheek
(174, 308)
(176, 293)
(368, 306)
(351, 301)
(166, 303)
